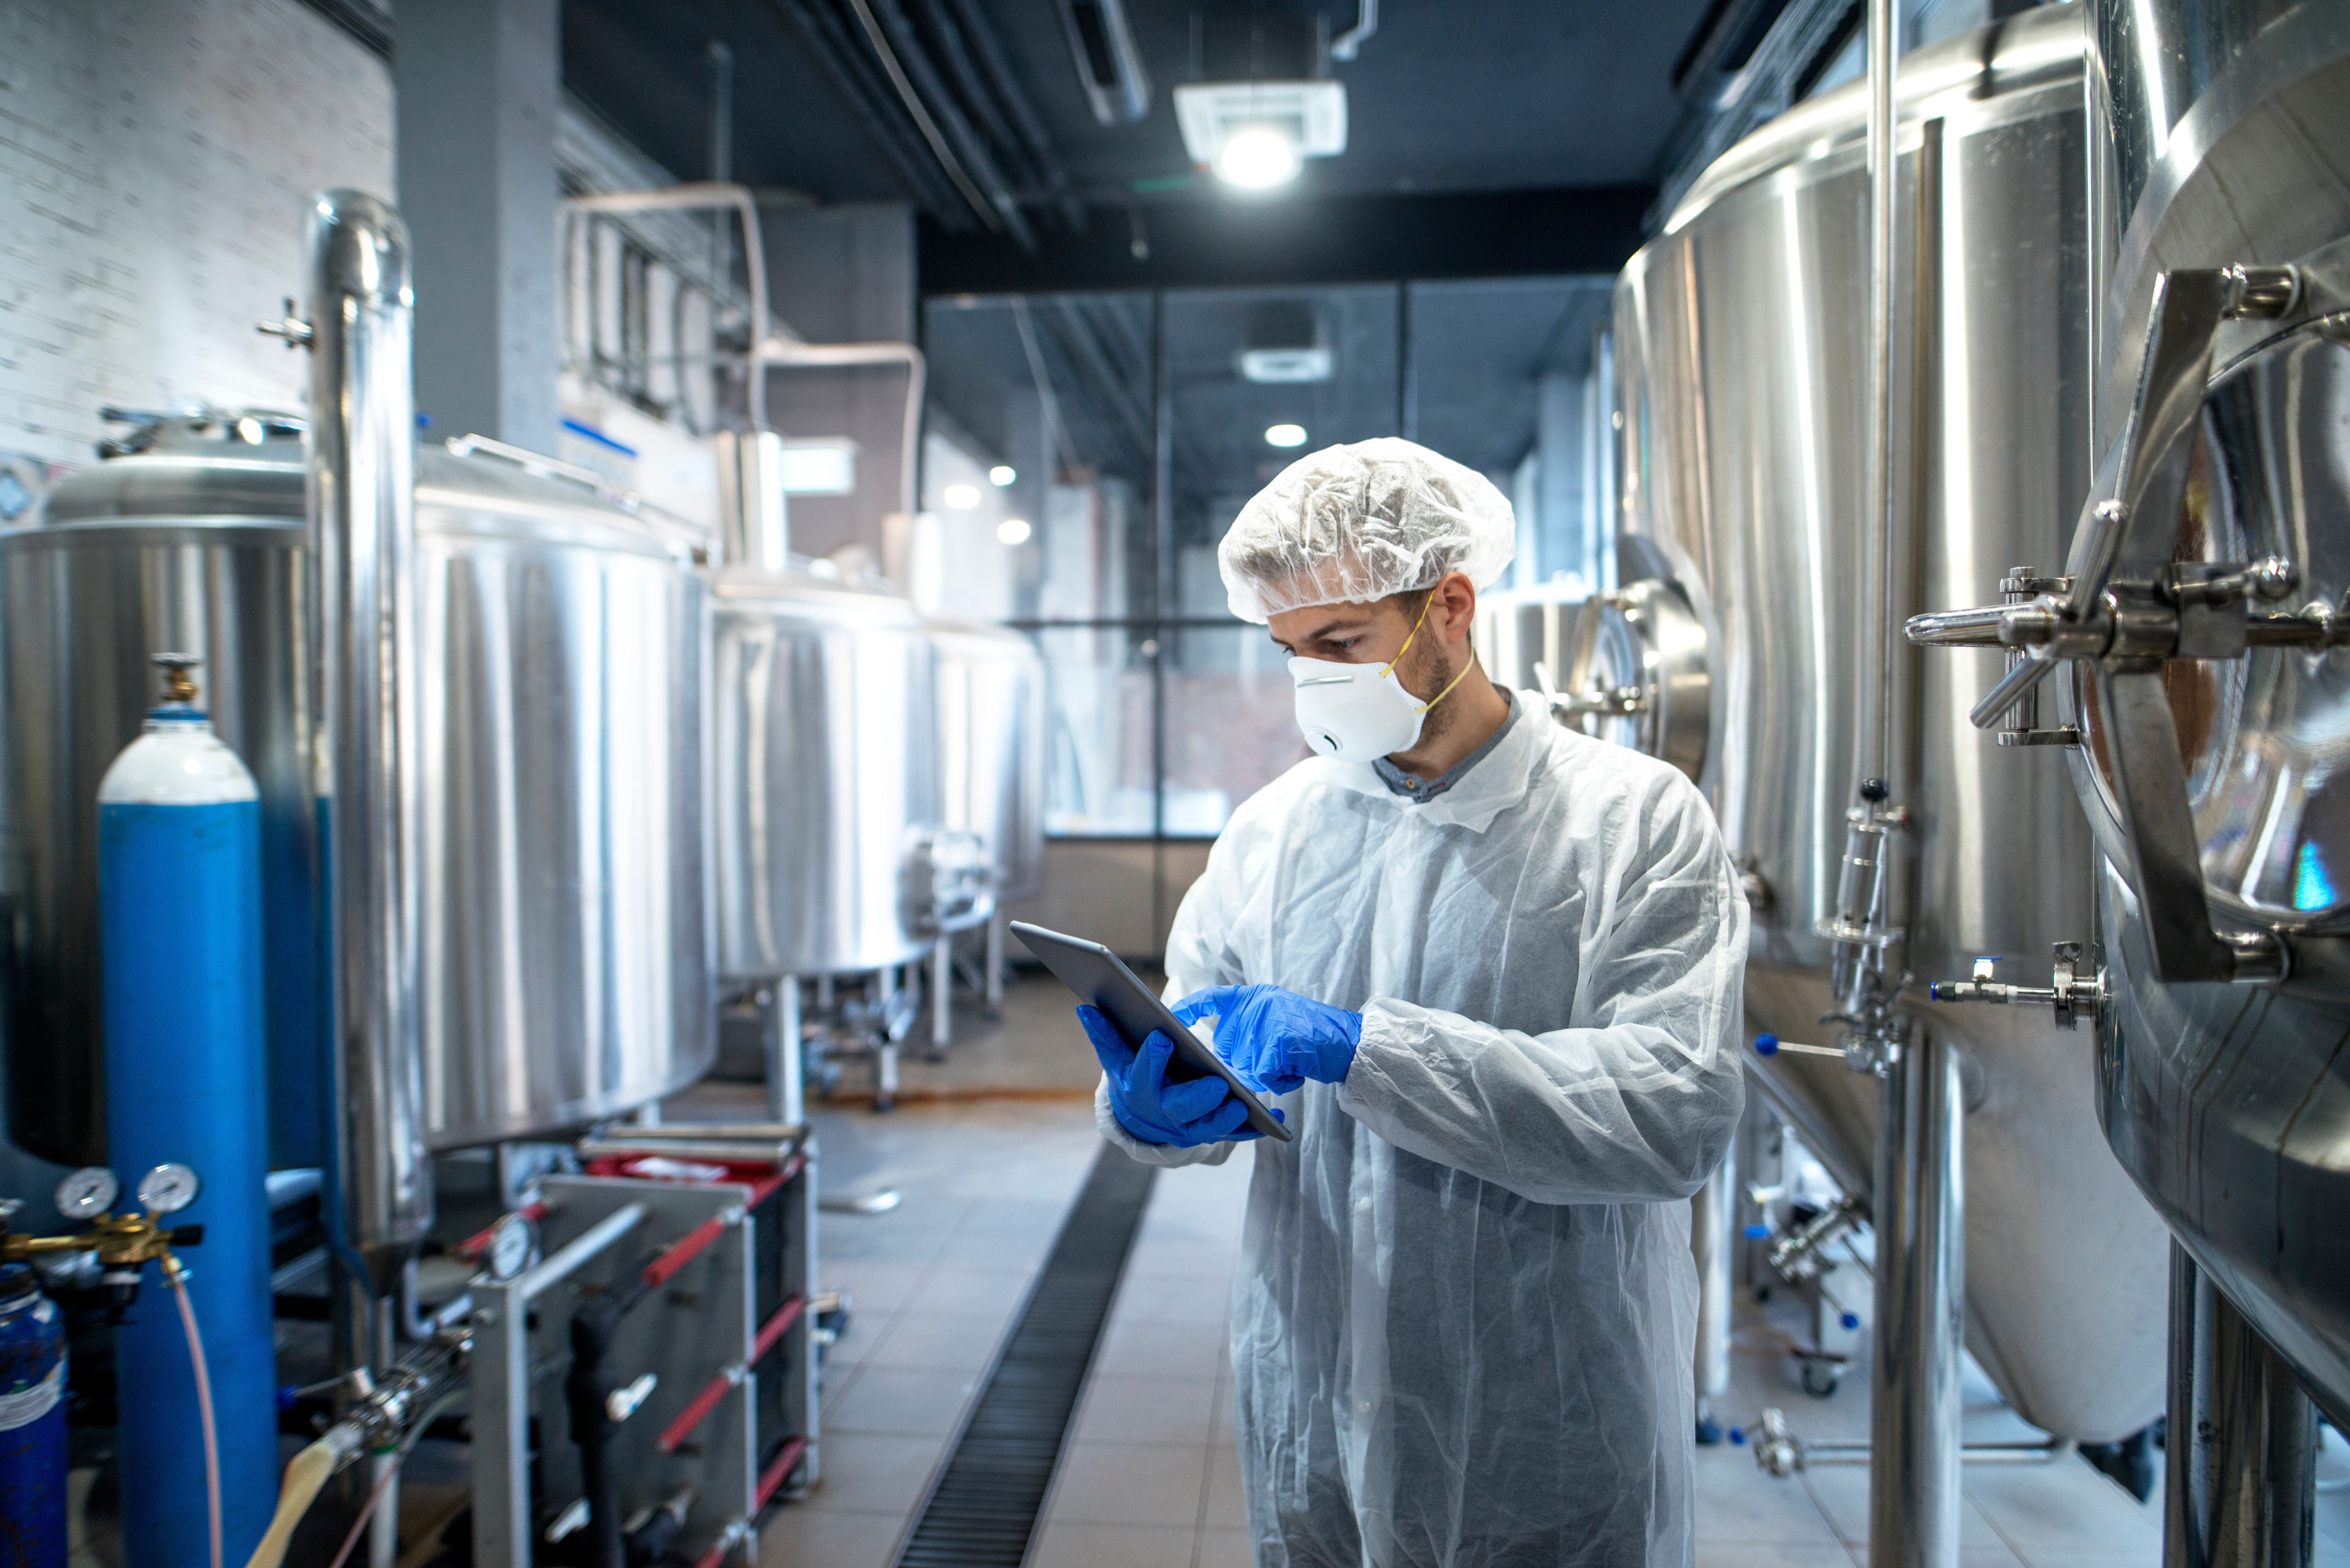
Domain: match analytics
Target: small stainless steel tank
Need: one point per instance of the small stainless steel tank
(567, 964)
(827, 773)
(194, 544)
(991, 706)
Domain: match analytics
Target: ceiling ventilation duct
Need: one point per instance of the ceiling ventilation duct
(1109, 64)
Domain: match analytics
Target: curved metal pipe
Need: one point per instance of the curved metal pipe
(704, 195)
(792, 354)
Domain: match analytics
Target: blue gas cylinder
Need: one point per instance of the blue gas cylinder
(180, 924)
(32, 1424)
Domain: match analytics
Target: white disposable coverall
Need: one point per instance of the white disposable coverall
(1462, 1330)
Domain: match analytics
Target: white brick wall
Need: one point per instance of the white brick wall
(154, 156)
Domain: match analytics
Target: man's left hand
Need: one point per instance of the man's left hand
(1276, 1039)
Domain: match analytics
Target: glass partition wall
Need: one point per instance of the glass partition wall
(1084, 453)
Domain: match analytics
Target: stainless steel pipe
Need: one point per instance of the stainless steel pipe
(1884, 186)
(362, 459)
(2241, 1486)
(1914, 1409)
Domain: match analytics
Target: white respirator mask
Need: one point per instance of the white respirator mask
(1359, 712)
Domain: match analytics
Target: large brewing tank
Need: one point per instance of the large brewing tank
(2220, 129)
(827, 773)
(991, 749)
(1741, 355)
(568, 971)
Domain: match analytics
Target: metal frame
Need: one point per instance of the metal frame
(698, 1425)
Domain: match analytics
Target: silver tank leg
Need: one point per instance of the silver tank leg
(942, 993)
(786, 1093)
(885, 1070)
(1914, 1412)
(995, 961)
(1711, 1213)
(2240, 1488)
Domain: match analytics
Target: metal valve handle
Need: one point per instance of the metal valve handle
(2128, 608)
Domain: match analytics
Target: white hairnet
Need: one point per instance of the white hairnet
(1352, 523)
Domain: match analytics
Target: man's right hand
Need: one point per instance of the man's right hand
(1185, 1114)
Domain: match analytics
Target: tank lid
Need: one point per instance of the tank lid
(2033, 49)
(17, 1281)
(204, 463)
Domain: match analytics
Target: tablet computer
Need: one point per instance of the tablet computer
(1102, 980)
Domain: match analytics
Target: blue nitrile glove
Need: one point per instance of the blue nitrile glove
(1154, 1110)
(1276, 1039)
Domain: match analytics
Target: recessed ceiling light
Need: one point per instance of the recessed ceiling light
(961, 497)
(1001, 474)
(1257, 158)
(1284, 435)
(1013, 530)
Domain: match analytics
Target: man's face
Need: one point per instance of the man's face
(1345, 633)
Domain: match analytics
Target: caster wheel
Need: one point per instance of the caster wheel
(884, 1106)
(1819, 1379)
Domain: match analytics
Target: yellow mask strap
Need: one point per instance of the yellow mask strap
(1449, 685)
(1424, 609)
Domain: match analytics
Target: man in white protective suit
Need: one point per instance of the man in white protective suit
(1490, 968)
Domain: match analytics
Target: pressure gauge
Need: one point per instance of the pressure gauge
(168, 1189)
(87, 1192)
(511, 1246)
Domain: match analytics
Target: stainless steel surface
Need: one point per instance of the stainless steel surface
(827, 773)
(1914, 1504)
(1742, 350)
(196, 543)
(2239, 1487)
(991, 747)
(1883, 40)
(369, 743)
(567, 964)
(2216, 119)
(569, 971)
(754, 515)
(1627, 666)
(1713, 1212)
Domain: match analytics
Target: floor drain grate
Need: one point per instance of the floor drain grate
(984, 1505)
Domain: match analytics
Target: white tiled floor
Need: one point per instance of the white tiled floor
(1149, 1477)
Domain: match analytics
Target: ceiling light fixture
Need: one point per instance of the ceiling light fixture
(1001, 474)
(961, 497)
(1013, 530)
(1257, 134)
(1284, 435)
(1257, 158)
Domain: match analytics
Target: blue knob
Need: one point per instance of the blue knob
(1766, 1044)
(1758, 1232)
(286, 1396)
(1738, 1436)
(1850, 1320)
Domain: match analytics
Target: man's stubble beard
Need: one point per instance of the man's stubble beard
(1425, 673)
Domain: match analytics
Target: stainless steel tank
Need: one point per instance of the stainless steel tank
(194, 545)
(990, 748)
(1742, 356)
(827, 778)
(567, 966)
(2221, 125)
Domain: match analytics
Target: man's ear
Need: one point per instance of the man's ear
(1456, 602)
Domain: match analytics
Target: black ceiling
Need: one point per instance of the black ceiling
(1451, 97)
